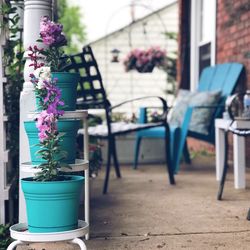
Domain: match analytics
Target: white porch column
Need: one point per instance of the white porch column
(33, 11)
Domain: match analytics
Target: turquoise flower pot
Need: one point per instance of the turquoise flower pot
(69, 129)
(67, 82)
(52, 206)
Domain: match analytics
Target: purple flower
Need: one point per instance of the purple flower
(47, 119)
(46, 124)
(51, 33)
(48, 40)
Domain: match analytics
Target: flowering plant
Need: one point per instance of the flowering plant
(50, 100)
(145, 60)
(51, 35)
(155, 116)
(49, 97)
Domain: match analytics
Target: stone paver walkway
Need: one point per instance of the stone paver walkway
(142, 211)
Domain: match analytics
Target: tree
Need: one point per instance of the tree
(70, 17)
(171, 66)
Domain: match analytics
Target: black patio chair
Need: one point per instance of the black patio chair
(93, 96)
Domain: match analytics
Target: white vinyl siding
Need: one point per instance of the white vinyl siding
(121, 85)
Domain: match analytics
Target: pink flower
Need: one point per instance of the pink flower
(138, 58)
(51, 33)
(46, 124)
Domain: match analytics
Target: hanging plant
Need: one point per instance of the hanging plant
(145, 60)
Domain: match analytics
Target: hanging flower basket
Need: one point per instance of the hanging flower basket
(148, 68)
(144, 61)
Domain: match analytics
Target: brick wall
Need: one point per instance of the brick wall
(233, 40)
(232, 45)
(233, 33)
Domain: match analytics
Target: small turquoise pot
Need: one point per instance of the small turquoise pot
(52, 206)
(67, 82)
(69, 129)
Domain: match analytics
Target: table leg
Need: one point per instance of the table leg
(220, 151)
(80, 243)
(14, 244)
(86, 157)
(239, 162)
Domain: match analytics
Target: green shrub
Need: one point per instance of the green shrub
(5, 239)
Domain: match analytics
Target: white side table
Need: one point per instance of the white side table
(238, 150)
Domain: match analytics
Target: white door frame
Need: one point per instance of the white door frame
(195, 41)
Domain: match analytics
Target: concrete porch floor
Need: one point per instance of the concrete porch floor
(142, 211)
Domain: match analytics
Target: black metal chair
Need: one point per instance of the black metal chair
(93, 96)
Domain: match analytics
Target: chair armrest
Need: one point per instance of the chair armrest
(143, 113)
(208, 107)
(164, 103)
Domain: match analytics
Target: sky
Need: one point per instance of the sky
(104, 16)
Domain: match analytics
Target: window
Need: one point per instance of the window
(203, 28)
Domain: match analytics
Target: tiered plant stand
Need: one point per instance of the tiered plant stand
(20, 233)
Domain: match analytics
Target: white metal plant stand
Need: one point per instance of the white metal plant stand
(21, 235)
(28, 170)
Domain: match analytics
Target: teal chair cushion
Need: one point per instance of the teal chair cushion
(179, 109)
(201, 117)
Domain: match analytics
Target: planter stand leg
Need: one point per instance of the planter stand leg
(225, 168)
(116, 163)
(14, 244)
(80, 243)
(106, 181)
(169, 160)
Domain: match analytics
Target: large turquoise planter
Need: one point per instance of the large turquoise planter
(67, 82)
(52, 206)
(69, 129)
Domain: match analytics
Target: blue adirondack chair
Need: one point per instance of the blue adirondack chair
(221, 77)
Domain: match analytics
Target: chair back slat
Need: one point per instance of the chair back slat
(92, 94)
(205, 79)
(232, 78)
(221, 77)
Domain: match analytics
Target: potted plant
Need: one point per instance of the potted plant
(52, 198)
(144, 60)
(50, 98)
(49, 82)
(53, 39)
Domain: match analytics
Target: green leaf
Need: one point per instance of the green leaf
(42, 151)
